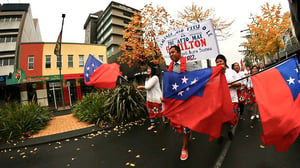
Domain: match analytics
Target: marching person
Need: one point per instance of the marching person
(251, 96)
(154, 95)
(241, 91)
(179, 64)
(231, 76)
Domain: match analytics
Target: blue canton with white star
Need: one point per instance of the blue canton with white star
(90, 67)
(182, 86)
(291, 74)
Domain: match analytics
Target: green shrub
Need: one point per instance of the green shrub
(20, 121)
(126, 103)
(122, 104)
(91, 108)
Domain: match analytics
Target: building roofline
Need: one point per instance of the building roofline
(116, 3)
(98, 14)
(62, 43)
(8, 7)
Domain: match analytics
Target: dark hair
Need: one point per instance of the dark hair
(154, 70)
(254, 66)
(220, 56)
(177, 48)
(232, 65)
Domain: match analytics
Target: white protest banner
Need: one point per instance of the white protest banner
(197, 42)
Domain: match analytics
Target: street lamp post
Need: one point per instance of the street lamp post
(60, 64)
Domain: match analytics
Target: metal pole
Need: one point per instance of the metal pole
(69, 84)
(61, 82)
(52, 84)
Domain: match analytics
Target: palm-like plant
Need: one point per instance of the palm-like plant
(126, 103)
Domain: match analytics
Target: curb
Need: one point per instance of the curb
(53, 138)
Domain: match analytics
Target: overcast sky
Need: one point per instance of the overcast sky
(49, 14)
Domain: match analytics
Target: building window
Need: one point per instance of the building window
(10, 18)
(58, 61)
(81, 60)
(70, 61)
(127, 14)
(7, 61)
(101, 58)
(8, 38)
(48, 61)
(11, 61)
(126, 21)
(109, 40)
(30, 62)
(110, 51)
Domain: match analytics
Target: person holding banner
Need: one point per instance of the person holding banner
(179, 64)
(154, 94)
(231, 76)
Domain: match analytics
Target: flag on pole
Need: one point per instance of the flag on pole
(279, 103)
(199, 100)
(99, 74)
(242, 64)
(58, 44)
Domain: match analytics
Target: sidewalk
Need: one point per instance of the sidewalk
(60, 124)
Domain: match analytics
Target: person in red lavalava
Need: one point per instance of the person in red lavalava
(251, 96)
(179, 64)
(241, 91)
(154, 95)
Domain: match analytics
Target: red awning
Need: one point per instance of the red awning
(73, 76)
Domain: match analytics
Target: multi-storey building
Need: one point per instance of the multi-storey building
(28, 67)
(111, 24)
(90, 27)
(16, 26)
(38, 77)
(31, 64)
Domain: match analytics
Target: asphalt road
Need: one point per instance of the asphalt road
(133, 146)
(129, 146)
(246, 150)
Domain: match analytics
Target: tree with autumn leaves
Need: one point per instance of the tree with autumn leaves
(140, 47)
(196, 14)
(265, 33)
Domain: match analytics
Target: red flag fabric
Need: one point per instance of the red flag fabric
(58, 44)
(242, 64)
(100, 75)
(277, 95)
(199, 100)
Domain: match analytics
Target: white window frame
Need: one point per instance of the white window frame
(48, 61)
(81, 61)
(30, 62)
(70, 61)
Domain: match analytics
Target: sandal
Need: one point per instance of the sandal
(150, 128)
(184, 154)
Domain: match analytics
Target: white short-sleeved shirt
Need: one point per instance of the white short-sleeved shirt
(154, 92)
(231, 76)
(242, 75)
